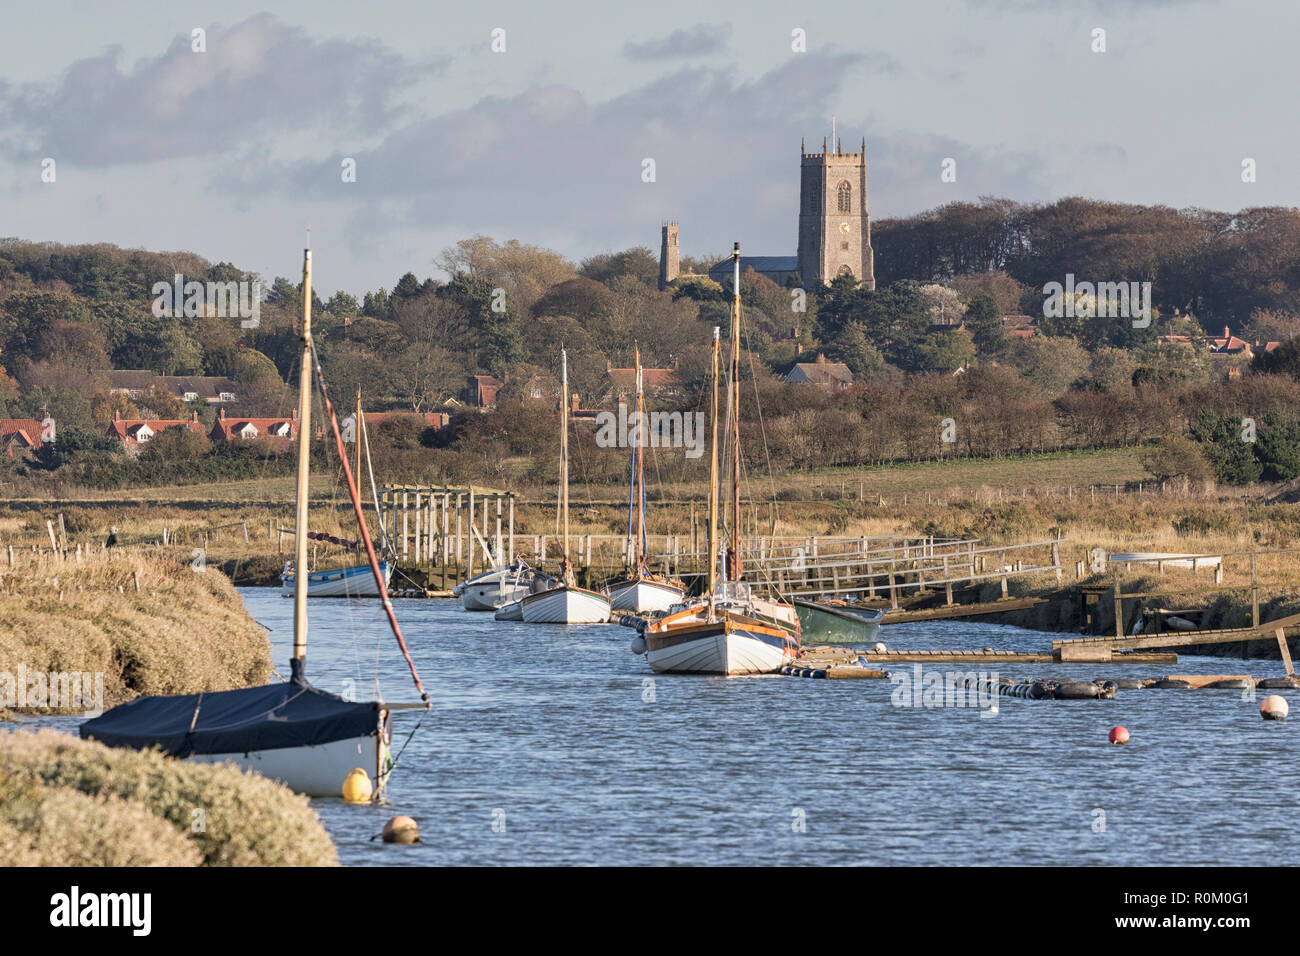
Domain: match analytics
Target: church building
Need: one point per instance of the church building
(834, 227)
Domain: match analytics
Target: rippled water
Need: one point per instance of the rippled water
(549, 726)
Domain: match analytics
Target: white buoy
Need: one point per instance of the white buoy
(880, 647)
(1274, 707)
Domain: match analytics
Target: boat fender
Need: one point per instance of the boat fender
(1232, 683)
(1167, 684)
(1076, 690)
(638, 645)
(818, 673)
(1127, 683)
(1279, 683)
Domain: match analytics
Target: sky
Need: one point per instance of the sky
(233, 151)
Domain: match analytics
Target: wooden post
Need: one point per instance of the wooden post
(1119, 607)
(63, 534)
(49, 526)
(419, 528)
(469, 537)
(512, 529)
(1254, 592)
(406, 526)
(1286, 651)
(445, 544)
(499, 543)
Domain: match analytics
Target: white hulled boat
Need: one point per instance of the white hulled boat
(730, 632)
(564, 602)
(292, 732)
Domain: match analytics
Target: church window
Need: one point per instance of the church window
(846, 197)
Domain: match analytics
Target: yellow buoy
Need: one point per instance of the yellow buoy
(357, 788)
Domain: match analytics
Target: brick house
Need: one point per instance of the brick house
(281, 430)
(134, 432)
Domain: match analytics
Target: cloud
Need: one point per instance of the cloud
(699, 40)
(257, 79)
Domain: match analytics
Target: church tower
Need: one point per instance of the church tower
(669, 256)
(834, 228)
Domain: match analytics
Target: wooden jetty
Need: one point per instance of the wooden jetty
(827, 656)
(1095, 649)
(954, 611)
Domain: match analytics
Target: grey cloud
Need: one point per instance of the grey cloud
(699, 40)
(258, 78)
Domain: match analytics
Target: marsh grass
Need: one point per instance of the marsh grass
(130, 807)
(183, 631)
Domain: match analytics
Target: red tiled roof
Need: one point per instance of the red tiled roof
(229, 427)
(127, 430)
(29, 428)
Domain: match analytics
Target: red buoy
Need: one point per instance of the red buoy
(1274, 707)
(1119, 735)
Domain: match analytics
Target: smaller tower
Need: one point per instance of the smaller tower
(669, 255)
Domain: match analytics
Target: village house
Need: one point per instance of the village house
(373, 420)
(824, 374)
(280, 430)
(135, 383)
(620, 384)
(18, 435)
(481, 392)
(134, 432)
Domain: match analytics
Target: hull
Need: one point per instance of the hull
(509, 612)
(730, 647)
(317, 771)
(492, 589)
(830, 624)
(357, 581)
(565, 605)
(643, 594)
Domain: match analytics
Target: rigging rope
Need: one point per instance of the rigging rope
(361, 522)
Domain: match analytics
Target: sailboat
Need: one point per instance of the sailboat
(564, 602)
(356, 580)
(495, 588)
(638, 589)
(732, 631)
(292, 732)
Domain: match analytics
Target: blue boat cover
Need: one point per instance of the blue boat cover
(292, 714)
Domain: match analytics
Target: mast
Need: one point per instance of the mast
(713, 473)
(564, 447)
(640, 467)
(356, 433)
(733, 565)
(304, 465)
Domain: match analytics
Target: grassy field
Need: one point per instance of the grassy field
(1070, 495)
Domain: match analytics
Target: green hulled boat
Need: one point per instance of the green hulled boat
(834, 622)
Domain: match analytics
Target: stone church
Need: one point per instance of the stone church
(834, 227)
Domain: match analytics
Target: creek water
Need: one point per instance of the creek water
(556, 745)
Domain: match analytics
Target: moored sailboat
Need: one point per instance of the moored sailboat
(638, 590)
(355, 580)
(293, 732)
(565, 602)
(731, 632)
